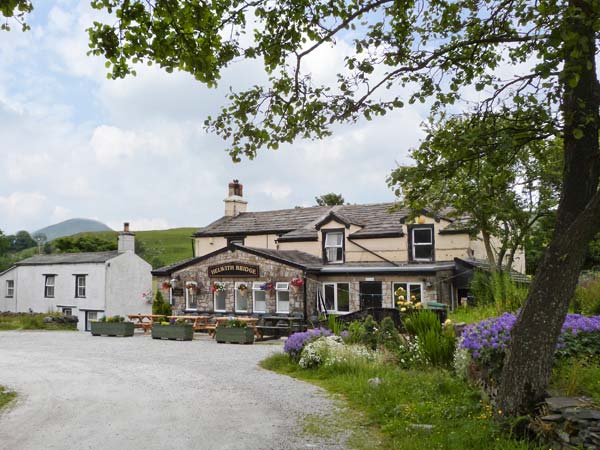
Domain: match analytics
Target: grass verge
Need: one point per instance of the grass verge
(412, 409)
(575, 378)
(31, 322)
(6, 397)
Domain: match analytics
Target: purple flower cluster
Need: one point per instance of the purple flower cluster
(491, 336)
(576, 323)
(296, 342)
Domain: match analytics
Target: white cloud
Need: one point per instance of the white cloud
(277, 191)
(135, 149)
(22, 205)
(141, 224)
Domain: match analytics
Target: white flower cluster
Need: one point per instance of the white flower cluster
(329, 350)
(409, 352)
(462, 360)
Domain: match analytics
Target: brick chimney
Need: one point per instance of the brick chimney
(126, 240)
(235, 203)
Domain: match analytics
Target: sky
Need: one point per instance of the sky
(75, 144)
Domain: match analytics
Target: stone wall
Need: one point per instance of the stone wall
(270, 271)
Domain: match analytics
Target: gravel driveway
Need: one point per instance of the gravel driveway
(77, 391)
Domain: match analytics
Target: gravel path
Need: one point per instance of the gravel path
(77, 391)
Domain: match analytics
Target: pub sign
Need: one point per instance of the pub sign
(233, 269)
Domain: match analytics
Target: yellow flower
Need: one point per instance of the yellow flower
(403, 309)
(401, 298)
(413, 297)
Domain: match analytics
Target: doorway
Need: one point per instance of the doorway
(371, 295)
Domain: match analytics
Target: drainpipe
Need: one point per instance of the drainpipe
(373, 253)
(304, 294)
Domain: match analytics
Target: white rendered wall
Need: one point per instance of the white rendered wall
(128, 277)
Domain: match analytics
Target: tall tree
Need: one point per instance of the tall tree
(402, 51)
(330, 199)
(4, 244)
(15, 10)
(501, 172)
(21, 241)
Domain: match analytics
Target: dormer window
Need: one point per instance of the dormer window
(421, 243)
(333, 246)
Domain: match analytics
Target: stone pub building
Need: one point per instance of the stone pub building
(354, 256)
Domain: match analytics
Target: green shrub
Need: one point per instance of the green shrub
(32, 322)
(497, 289)
(436, 344)
(387, 335)
(115, 319)
(419, 322)
(587, 298)
(234, 324)
(159, 306)
(334, 325)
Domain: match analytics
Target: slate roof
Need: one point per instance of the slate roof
(290, 257)
(68, 258)
(294, 224)
(485, 265)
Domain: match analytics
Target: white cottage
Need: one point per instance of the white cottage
(88, 285)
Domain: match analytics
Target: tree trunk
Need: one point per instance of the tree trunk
(530, 356)
(489, 250)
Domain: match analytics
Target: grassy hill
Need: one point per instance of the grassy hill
(72, 226)
(158, 247)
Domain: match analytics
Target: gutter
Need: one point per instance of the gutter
(363, 269)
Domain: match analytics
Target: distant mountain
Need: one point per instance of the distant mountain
(72, 226)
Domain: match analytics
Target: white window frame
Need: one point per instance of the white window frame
(282, 287)
(49, 285)
(256, 288)
(187, 300)
(335, 297)
(10, 288)
(79, 287)
(215, 301)
(336, 246)
(235, 300)
(408, 285)
(64, 312)
(414, 244)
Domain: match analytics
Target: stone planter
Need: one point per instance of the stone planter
(124, 329)
(234, 335)
(173, 332)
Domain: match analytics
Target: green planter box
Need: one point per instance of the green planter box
(234, 335)
(173, 332)
(112, 329)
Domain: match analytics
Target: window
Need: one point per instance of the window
(283, 297)
(422, 243)
(49, 286)
(259, 298)
(67, 312)
(241, 297)
(235, 240)
(414, 292)
(10, 288)
(191, 298)
(219, 300)
(337, 297)
(80, 286)
(334, 246)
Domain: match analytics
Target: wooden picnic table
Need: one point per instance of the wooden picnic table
(198, 322)
(143, 321)
(280, 325)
